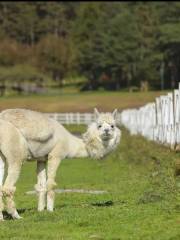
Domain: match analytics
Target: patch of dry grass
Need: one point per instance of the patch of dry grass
(80, 102)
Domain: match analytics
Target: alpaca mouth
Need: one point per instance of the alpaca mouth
(106, 136)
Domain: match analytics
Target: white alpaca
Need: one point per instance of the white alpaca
(30, 135)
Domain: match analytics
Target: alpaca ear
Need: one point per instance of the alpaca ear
(115, 114)
(96, 113)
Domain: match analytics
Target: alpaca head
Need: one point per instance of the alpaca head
(105, 124)
(102, 135)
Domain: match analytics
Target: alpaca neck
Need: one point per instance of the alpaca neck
(96, 149)
(78, 148)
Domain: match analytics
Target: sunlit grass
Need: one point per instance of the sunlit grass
(141, 202)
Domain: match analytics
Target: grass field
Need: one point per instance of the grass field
(79, 102)
(142, 200)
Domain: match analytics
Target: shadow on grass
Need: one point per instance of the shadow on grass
(108, 203)
(7, 216)
(103, 204)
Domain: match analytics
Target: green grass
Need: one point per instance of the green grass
(142, 202)
(79, 101)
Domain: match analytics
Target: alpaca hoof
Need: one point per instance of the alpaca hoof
(1, 217)
(50, 209)
(17, 217)
(40, 209)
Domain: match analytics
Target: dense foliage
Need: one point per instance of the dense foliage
(114, 45)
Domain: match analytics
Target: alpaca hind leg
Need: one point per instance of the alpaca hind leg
(41, 185)
(53, 164)
(2, 168)
(9, 188)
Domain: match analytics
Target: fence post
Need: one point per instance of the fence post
(158, 121)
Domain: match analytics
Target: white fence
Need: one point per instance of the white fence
(73, 118)
(158, 121)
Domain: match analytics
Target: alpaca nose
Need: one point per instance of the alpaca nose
(106, 130)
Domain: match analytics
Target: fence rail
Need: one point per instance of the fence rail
(158, 121)
(74, 118)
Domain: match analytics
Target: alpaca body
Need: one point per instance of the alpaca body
(29, 135)
(40, 133)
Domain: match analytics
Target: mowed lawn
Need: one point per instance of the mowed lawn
(79, 102)
(142, 200)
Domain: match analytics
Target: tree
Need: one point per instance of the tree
(54, 56)
(169, 41)
(104, 45)
(20, 21)
(120, 44)
(148, 57)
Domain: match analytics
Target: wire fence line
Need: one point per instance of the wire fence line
(158, 121)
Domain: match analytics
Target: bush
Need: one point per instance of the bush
(12, 53)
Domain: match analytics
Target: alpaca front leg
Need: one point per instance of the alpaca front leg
(41, 185)
(2, 165)
(9, 189)
(50, 200)
(11, 207)
(53, 164)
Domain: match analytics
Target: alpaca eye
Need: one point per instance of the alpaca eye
(112, 126)
(99, 126)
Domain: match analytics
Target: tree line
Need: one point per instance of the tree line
(114, 45)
